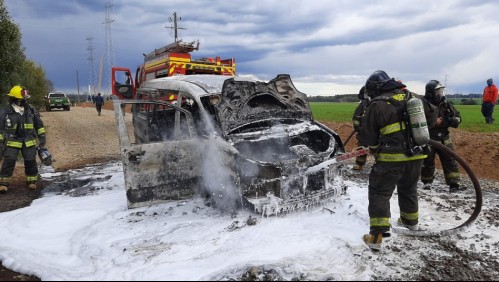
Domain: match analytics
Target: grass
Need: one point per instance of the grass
(473, 120)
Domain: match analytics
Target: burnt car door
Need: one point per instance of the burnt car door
(163, 163)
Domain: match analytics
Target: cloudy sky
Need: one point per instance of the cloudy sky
(328, 47)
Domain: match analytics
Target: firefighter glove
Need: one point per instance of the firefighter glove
(454, 122)
(41, 141)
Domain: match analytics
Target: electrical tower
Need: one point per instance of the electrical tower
(109, 60)
(91, 71)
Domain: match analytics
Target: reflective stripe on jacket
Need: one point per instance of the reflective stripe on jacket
(17, 130)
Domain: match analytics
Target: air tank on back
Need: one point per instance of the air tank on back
(417, 119)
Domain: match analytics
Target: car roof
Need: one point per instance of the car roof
(197, 85)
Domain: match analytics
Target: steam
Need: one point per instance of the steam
(217, 176)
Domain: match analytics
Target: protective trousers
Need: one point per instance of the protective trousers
(449, 165)
(384, 177)
(9, 163)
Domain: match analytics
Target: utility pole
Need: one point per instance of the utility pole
(175, 25)
(78, 85)
(445, 83)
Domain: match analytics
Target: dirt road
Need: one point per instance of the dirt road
(79, 137)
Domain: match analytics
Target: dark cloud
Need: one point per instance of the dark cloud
(324, 41)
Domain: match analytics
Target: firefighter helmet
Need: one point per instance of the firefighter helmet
(380, 81)
(432, 92)
(19, 92)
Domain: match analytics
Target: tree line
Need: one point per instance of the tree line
(464, 99)
(15, 67)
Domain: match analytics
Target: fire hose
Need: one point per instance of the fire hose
(471, 219)
(348, 139)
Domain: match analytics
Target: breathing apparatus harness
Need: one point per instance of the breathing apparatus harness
(411, 116)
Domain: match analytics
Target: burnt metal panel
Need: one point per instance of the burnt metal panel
(245, 102)
(162, 171)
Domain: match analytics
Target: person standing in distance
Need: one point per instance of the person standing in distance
(448, 116)
(20, 127)
(99, 102)
(396, 165)
(489, 101)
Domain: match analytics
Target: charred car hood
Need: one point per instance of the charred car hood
(246, 102)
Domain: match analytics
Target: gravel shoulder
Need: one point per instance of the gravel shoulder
(80, 137)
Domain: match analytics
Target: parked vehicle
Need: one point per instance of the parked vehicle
(57, 100)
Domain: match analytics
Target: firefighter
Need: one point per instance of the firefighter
(447, 116)
(396, 164)
(20, 127)
(358, 115)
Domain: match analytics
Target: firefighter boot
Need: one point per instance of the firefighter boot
(427, 186)
(455, 187)
(3, 189)
(414, 227)
(373, 241)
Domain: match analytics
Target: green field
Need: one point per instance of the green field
(342, 112)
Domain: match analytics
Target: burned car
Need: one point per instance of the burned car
(236, 141)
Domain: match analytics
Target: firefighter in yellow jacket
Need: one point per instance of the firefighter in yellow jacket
(20, 127)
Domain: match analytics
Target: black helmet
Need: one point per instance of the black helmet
(430, 91)
(380, 81)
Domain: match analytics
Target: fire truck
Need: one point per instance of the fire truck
(169, 60)
(175, 59)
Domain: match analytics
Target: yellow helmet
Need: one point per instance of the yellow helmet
(19, 92)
